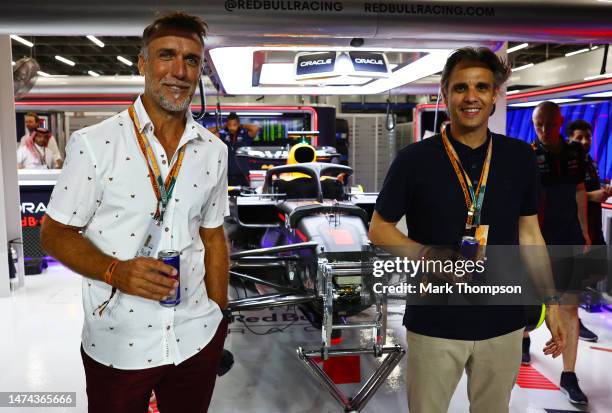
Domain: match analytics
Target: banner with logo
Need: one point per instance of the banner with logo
(369, 64)
(315, 65)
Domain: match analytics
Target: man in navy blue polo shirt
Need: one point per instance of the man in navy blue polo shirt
(443, 341)
(236, 135)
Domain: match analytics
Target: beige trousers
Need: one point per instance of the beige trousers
(435, 366)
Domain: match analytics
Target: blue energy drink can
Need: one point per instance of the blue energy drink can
(469, 247)
(172, 258)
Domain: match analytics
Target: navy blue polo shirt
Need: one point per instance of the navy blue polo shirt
(560, 174)
(241, 139)
(422, 185)
(592, 183)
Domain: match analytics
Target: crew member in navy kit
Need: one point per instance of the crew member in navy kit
(581, 131)
(562, 213)
(235, 135)
(563, 208)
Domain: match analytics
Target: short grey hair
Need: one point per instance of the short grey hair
(175, 20)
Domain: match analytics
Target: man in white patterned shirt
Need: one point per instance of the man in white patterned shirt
(32, 122)
(35, 153)
(150, 170)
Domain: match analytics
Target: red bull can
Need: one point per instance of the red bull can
(469, 247)
(172, 258)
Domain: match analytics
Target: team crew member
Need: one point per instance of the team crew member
(32, 122)
(443, 341)
(35, 153)
(581, 131)
(563, 206)
(112, 189)
(562, 214)
(236, 135)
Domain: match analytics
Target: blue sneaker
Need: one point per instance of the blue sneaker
(586, 334)
(526, 357)
(569, 387)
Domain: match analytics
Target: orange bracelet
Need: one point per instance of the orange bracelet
(108, 274)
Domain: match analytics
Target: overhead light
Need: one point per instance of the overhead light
(124, 60)
(564, 100)
(256, 113)
(13, 63)
(517, 47)
(524, 104)
(43, 74)
(594, 47)
(599, 94)
(64, 60)
(527, 66)
(22, 40)
(92, 73)
(512, 92)
(575, 52)
(343, 64)
(95, 40)
(537, 102)
(604, 76)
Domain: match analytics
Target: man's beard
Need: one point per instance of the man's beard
(166, 104)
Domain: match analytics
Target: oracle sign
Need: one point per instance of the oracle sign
(313, 65)
(369, 64)
(33, 208)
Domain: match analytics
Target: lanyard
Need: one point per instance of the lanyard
(42, 157)
(163, 189)
(473, 199)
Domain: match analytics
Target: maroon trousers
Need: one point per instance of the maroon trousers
(186, 388)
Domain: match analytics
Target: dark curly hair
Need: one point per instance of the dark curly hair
(579, 124)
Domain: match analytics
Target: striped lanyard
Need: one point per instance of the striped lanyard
(163, 189)
(473, 199)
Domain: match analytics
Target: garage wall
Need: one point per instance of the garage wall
(371, 149)
(10, 221)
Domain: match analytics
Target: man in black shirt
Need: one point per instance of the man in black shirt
(581, 131)
(236, 135)
(443, 341)
(562, 208)
(562, 214)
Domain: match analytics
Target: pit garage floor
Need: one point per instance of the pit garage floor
(39, 350)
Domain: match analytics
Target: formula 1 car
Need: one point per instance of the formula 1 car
(302, 240)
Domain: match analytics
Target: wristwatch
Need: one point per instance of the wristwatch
(552, 299)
